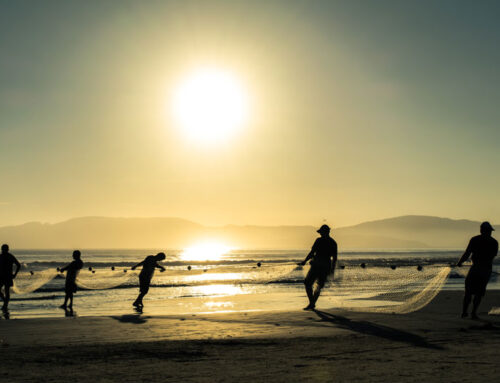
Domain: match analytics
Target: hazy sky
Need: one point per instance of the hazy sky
(359, 110)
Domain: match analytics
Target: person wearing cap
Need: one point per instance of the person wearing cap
(7, 261)
(323, 256)
(482, 249)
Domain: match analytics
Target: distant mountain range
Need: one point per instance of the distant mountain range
(175, 233)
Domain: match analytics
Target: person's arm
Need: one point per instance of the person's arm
(135, 266)
(162, 269)
(71, 266)
(18, 267)
(466, 255)
(309, 256)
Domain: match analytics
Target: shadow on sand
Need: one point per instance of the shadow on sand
(131, 318)
(69, 312)
(364, 327)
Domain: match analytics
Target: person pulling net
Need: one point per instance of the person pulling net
(7, 276)
(149, 264)
(323, 256)
(481, 249)
(72, 271)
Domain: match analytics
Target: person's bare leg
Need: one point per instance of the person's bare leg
(6, 298)
(70, 301)
(316, 295)
(475, 306)
(65, 304)
(141, 298)
(465, 306)
(3, 297)
(310, 296)
(138, 301)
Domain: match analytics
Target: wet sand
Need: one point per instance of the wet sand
(431, 345)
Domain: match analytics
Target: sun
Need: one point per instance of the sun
(209, 251)
(210, 105)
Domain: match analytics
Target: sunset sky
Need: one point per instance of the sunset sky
(354, 110)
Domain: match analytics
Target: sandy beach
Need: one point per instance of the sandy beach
(433, 344)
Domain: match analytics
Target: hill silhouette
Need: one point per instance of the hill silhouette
(104, 232)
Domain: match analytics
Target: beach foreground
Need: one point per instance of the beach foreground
(433, 344)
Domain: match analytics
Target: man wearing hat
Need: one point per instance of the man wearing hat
(483, 249)
(323, 257)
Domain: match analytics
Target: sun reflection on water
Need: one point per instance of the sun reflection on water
(216, 277)
(218, 290)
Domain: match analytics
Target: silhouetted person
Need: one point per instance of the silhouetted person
(148, 269)
(323, 257)
(72, 271)
(483, 249)
(7, 261)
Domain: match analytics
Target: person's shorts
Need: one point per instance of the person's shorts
(7, 282)
(70, 287)
(317, 274)
(476, 281)
(144, 282)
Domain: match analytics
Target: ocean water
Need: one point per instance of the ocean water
(237, 280)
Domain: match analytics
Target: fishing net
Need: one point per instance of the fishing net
(102, 279)
(27, 282)
(494, 311)
(385, 290)
(226, 275)
(372, 289)
(105, 279)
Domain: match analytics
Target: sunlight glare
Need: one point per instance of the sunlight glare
(210, 105)
(218, 290)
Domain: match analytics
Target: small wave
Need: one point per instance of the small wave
(287, 281)
(346, 261)
(39, 298)
(52, 264)
(455, 275)
(53, 289)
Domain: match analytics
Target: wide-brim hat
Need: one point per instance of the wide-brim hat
(323, 229)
